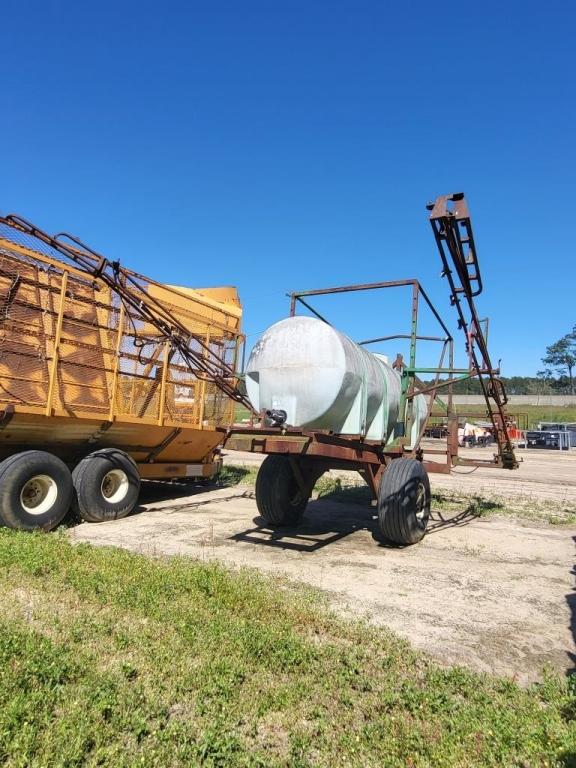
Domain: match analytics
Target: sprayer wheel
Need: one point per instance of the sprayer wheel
(278, 496)
(404, 502)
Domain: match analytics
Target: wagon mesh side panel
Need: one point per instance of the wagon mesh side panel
(82, 353)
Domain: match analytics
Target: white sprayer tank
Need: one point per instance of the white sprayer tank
(323, 380)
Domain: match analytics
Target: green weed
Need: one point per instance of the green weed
(236, 475)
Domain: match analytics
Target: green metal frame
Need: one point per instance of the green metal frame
(410, 384)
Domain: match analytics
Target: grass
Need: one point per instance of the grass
(108, 658)
(533, 413)
(232, 474)
(490, 505)
(241, 413)
(457, 503)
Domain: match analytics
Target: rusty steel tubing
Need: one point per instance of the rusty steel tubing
(445, 224)
(124, 283)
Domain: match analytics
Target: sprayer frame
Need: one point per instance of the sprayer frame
(452, 230)
(353, 452)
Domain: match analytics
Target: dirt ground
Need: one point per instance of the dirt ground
(495, 594)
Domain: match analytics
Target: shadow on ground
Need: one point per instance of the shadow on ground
(448, 512)
(163, 490)
(157, 491)
(338, 514)
(323, 524)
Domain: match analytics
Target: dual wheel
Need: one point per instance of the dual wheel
(403, 498)
(37, 489)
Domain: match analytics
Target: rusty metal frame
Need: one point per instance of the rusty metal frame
(371, 458)
(452, 228)
(126, 284)
(453, 233)
(354, 452)
(410, 385)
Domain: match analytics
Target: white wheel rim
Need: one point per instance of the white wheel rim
(421, 502)
(115, 486)
(39, 494)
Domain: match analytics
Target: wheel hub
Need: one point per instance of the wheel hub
(38, 494)
(421, 502)
(115, 486)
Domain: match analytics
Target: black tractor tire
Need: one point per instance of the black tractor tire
(35, 491)
(278, 496)
(106, 486)
(404, 501)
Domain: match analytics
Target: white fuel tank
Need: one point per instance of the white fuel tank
(323, 380)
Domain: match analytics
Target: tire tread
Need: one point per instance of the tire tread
(11, 513)
(79, 505)
(397, 523)
(274, 484)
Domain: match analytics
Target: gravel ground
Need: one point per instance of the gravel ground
(492, 593)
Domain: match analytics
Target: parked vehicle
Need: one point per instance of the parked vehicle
(106, 377)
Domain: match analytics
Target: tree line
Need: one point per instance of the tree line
(560, 360)
(556, 378)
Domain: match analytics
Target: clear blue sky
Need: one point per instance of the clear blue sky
(290, 145)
